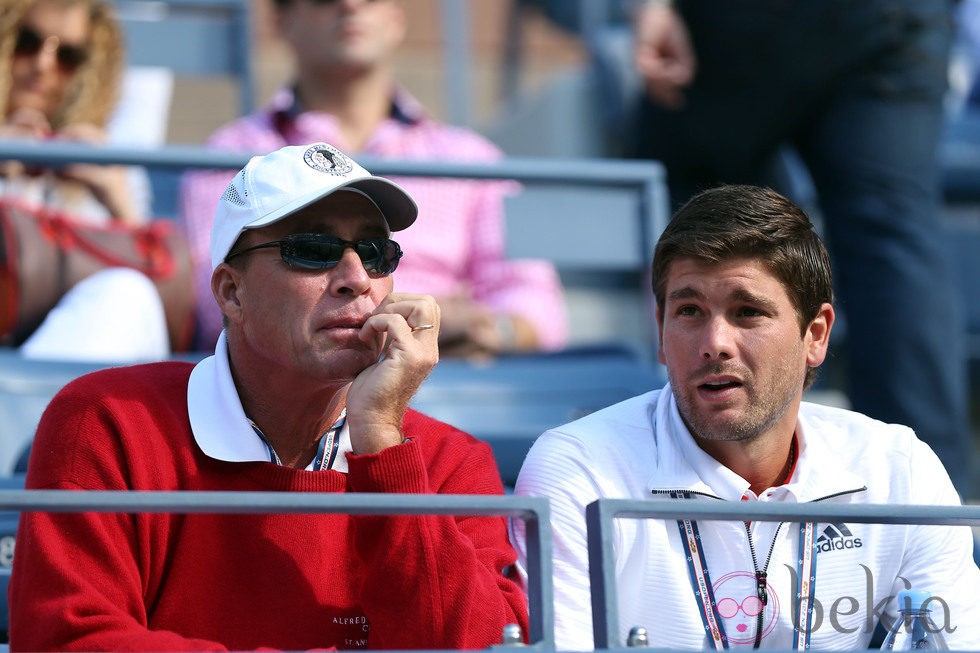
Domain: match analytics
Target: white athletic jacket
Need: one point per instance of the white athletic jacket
(640, 449)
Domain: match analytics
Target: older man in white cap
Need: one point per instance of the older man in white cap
(307, 392)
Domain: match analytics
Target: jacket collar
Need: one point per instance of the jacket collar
(683, 466)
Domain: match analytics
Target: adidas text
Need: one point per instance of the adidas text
(838, 544)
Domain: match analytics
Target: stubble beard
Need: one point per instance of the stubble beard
(763, 411)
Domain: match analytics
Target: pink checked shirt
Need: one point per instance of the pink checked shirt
(457, 243)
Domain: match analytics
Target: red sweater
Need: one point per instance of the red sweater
(211, 582)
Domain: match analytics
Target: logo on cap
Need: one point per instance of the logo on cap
(327, 159)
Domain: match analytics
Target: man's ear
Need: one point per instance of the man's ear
(817, 336)
(227, 286)
(661, 355)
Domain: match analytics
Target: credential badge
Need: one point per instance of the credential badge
(326, 158)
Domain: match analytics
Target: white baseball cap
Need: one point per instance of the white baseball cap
(272, 187)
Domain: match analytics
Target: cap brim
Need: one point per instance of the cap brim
(397, 206)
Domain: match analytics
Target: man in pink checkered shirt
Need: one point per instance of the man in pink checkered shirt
(345, 94)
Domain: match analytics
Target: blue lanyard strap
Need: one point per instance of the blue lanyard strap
(329, 444)
(806, 567)
(704, 594)
(697, 567)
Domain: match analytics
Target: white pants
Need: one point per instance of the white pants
(113, 316)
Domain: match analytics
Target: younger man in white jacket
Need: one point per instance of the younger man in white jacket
(745, 310)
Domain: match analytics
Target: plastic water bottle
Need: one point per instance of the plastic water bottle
(914, 630)
(512, 636)
(638, 637)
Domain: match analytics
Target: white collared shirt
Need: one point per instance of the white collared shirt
(218, 421)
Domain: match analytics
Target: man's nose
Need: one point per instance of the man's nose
(717, 341)
(349, 275)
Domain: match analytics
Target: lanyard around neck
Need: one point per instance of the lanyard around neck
(697, 568)
(326, 450)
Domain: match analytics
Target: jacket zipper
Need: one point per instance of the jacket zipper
(760, 578)
(760, 575)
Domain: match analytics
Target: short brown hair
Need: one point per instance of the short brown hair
(737, 221)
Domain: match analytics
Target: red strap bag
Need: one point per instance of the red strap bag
(44, 253)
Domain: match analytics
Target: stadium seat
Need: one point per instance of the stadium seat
(602, 263)
(507, 402)
(192, 38)
(205, 42)
(8, 534)
(511, 401)
(26, 387)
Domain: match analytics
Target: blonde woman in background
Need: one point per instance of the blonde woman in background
(61, 64)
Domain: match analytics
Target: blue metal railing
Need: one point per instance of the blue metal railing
(601, 514)
(534, 511)
(646, 178)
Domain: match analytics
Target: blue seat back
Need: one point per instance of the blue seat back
(8, 536)
(511, 401)
(197, 38)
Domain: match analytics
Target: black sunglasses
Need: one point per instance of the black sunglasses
(30, 43)
(320, 252)
(330, 2)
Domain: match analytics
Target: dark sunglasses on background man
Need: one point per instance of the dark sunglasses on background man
(320, 252)
(332, 2)
(30, 43)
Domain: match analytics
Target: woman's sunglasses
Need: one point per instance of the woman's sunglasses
(320, 252)
(30, 43)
